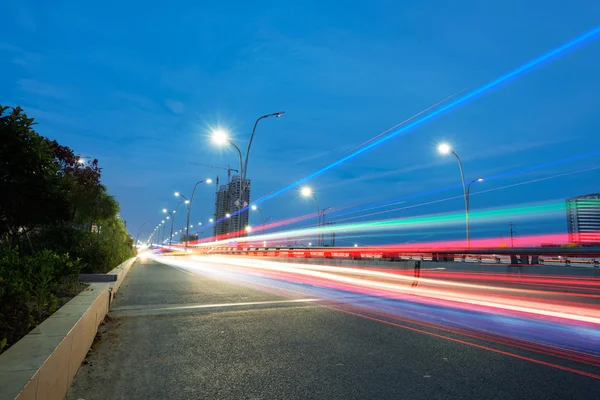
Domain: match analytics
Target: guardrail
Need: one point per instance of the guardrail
(513, 256)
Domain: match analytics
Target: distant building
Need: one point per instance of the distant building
(227, 201)
(583, 219)
(221, 208)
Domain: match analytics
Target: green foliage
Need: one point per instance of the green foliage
(49, 203)
(31, 288)
(98, 252)
(29, 173)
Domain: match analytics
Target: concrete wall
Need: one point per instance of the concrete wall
(43, 364)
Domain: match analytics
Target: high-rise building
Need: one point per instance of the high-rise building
(221, 208)
(583, 219)
(228, 201)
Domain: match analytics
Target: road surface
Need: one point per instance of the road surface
(177, 333)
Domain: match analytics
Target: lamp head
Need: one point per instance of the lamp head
(306, 191)
(254, 208)
(444, 148)
(208, 180)
(219, 137)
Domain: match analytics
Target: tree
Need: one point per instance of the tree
(30, 186)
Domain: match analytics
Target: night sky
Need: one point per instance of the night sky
(139, 85)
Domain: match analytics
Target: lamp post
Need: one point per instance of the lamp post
(262, 216)
(189, 209)
(140, 231)
(444, 148)
(172, 215)
(307, 192)
(184, 201)
(276, 114)
(469, 206)
(220, 138)
(322, 234)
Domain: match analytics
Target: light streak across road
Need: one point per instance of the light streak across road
(544, 316)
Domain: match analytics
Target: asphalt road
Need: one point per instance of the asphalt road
(173, 334)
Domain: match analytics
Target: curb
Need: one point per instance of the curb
(42, 364)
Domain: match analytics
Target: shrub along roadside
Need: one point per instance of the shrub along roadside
(98, 252)
(32, 288)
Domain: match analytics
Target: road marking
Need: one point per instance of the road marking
(150, 310)
(182, 270)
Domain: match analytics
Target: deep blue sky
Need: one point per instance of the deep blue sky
(138, 84)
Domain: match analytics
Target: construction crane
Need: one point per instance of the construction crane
(228, 169)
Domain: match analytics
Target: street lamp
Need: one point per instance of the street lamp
(211, 220)
(248, 229)
(172, 214)
(81, 160)
(220, 138)
(262, 216)
(307, 192)
(277, 115)
(140, 231)
(469, 203)
(189, 208)
(444, 148)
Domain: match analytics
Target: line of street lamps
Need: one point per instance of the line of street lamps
(221, 138)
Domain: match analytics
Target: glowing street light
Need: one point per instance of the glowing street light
(355, 245)
(254, 207)
(227, 215)
(307, 192)
(444, 148)
(219, 137)
(248, 229)
(211, 220)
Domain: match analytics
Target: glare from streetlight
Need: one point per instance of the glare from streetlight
(309, 243)
(306, 191)
(211, 220)
(355, 245)
(163, 221)
(254, 208)
(208, 180)
(81, 161)
(176, 194)
(227, 215)
(187, 202)
(167, 217)
(248, 229)
(220, 137)
(479, 179)
(191, 226)
(164, 210)
(444, 148)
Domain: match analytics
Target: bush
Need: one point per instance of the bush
(32, 288)
(98, 252)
